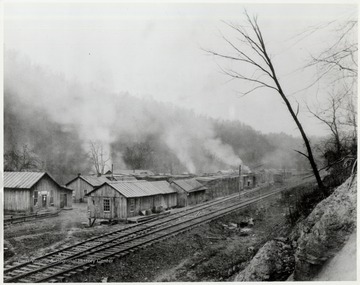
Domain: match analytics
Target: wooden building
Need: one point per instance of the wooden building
(83, 184)
(219, 186)
(249, 180)
(189, 192)
(119, 200)
(33, 191)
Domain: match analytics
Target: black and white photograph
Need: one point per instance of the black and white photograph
(173, 141)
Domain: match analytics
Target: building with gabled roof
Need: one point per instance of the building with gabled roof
(189, 191)
(83, 184)
(34, 191)
(119, 200)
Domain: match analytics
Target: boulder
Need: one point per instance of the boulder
(273, 262)
(325, 230)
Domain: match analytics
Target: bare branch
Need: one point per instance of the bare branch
(301, 153)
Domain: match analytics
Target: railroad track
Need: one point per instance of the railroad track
(63, 263)
(21, 219)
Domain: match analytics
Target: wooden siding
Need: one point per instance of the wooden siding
(79, 185)
(196, 197)
(181, 195)
(68, 202)
(171, 200)
(46, 187)
(153, 203)
(23, 199)
(188, 198)
(96, 204)
(222, 187)
(16, 200)
(120, 207)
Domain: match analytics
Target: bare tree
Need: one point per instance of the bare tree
(338, 63)
(98, 157)
(340, 57)
(21, 160)
(252, 53)
(351, 117)
(331, 116)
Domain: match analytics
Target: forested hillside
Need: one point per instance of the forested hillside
(51, 122)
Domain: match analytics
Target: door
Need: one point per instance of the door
(85, 197)
(62, 200)
(65, 200)
(44, 200)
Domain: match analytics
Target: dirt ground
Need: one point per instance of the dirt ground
(31, 239)
(211, 252)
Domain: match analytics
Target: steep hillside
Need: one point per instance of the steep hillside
(313, 242)
(57, 118)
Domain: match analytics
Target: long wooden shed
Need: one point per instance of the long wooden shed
(189, 191)
(83, 184)
(33, 191)
(219, 186)
(119, 200)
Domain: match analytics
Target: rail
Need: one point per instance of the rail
(71, 260)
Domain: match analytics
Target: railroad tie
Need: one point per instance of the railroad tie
(33, 266)
(60, 278)
(25, 280)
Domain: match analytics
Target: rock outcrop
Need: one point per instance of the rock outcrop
(325, 230)
(273, 262)
(312, 242)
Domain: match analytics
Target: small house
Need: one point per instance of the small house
(33, 191)
(83, 184)
(119, 200)
(189, 192)
(249, 180)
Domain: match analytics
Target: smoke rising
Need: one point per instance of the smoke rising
(114, 118)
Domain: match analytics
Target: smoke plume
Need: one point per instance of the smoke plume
(114, 118)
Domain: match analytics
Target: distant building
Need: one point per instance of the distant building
(189, 191)
(83, 184)
(249, 180)
(219, 186)
(119, 200)
(33, 191)
(130, 172)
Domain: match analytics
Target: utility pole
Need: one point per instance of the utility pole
(239, 180)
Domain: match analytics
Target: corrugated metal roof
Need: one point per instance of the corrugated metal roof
(64, 187)
(189, 185)
(22, 180)
(131, 189)
(206, 179)
(91, 179)
(163, 186)
(94, 180)
(119, 170)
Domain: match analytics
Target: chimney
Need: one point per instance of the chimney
(79, 174)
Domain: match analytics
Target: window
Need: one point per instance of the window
(85, 192)
(35, 197)
(132, 205)
(106, 205)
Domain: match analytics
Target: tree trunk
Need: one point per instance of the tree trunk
(306, 141)
(294, 116)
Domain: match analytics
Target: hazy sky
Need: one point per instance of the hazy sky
(155, 49)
